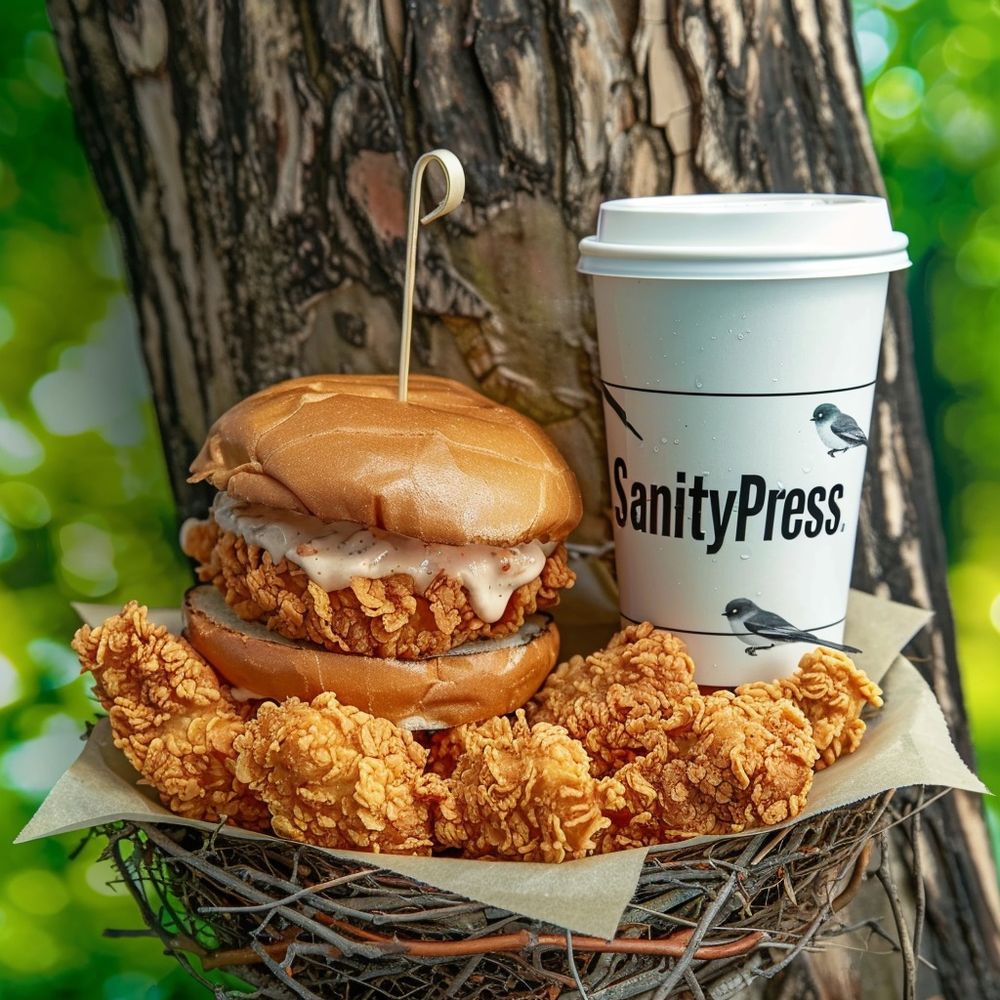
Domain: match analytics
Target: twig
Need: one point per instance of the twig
(281, 974)
(920, 890)
(692, 949)
(692, 984)
(463, 975)
(773, 970)
(854, 882)
(884, 873)
(571, 962)
(319, 902)
(923, 805)
(285, 900)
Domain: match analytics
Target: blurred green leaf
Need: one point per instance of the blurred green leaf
(939, 144)
(85, 511)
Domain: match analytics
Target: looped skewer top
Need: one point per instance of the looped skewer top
(454, 177)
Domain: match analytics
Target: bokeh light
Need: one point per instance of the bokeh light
(85, 514)
(936, 120)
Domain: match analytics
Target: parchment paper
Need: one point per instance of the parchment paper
(907, 743)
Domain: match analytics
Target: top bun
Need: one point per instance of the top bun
(448, 465)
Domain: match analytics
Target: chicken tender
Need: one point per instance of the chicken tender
(335, 776)
(621, 701)
(385, 617)
(520, 792)
(832, 692)
(171, 717)
(741, 763)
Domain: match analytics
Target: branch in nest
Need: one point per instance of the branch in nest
(672, 946)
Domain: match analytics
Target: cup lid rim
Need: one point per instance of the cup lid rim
(594, 246)
(746, 201)
(747, 230)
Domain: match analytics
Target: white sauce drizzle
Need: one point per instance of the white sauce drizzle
(331, 553)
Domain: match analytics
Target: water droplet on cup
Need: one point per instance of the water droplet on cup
(677, 440)
(744, 555)
(698, 383)
(740, 336)
(807, 469)
(663, 440)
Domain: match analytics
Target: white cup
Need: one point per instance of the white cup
(739, 339)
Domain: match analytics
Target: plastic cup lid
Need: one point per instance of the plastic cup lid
(744, 235)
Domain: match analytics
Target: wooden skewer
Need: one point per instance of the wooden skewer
(454, 177)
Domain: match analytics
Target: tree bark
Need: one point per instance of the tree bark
(255, 157)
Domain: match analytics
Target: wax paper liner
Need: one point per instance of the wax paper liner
(907, 743)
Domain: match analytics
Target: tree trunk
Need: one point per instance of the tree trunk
(255, 157)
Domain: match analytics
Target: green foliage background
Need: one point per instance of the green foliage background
(85, 512)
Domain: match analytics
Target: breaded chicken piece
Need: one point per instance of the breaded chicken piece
(385, 617)
(741, 763)
(171, 717)
(621, 701)
(520, 792)
(335, 776)
(831, 691)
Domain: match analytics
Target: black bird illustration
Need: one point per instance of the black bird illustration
(838, 431)
(764, 629)
(619, 409)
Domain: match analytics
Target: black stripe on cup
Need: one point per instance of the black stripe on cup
(740, 395)
(694, 631)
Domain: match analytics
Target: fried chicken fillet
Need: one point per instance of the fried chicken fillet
(622, 701)
(387, 617)
(171, 717)
(338, 777)
(831, 691)
(520, 792)
(742, 762)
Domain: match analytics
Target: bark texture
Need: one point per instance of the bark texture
(255, 156)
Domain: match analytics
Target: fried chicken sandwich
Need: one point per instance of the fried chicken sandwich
(394, 553)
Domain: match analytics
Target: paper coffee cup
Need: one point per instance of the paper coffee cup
(739, 339)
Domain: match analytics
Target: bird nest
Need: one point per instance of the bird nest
(294, 921)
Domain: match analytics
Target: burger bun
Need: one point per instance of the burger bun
(473, 682)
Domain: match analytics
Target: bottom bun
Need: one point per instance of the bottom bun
(468, 684)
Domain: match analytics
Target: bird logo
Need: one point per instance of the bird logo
(764, 629)
(838, 431)
(618, 409)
